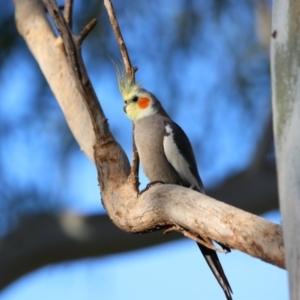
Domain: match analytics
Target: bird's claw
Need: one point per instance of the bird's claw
(149, 185)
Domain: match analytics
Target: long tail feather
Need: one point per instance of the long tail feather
(216, 267)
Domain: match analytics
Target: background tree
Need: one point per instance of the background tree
(286, 107)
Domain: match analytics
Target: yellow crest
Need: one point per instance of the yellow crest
(126, 86)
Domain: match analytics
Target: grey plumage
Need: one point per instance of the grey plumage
(166, 154)
(157, 168)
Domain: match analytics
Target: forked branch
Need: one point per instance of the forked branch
(72, 44)
(162, 206)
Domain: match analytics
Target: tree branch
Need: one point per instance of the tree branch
(68, 12)
(68, 237)
(49, 52)
(253, 191)
(72, 45)
(106, 238)
(73, 237)
(187, 210)
(130, 71)
(86, 30)
(199, 215)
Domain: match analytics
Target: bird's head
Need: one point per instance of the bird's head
(138, 102)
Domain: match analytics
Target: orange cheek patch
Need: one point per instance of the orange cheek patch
(143, 102)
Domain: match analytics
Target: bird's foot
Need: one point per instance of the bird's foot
(227, 249)
(192, 187)
(149, 185)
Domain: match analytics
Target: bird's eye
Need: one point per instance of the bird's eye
(135, 99)
(125, 101)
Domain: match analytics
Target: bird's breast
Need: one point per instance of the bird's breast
(149, 134)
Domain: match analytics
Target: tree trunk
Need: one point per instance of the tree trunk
(285, 64)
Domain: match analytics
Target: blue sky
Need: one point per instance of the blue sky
(173, 271)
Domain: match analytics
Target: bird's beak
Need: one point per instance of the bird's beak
(124, 108)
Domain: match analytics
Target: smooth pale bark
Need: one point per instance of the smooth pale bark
(162, 206)
(285, 62)
(197, 214)
(48, 51)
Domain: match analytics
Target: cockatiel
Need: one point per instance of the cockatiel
(165, 153)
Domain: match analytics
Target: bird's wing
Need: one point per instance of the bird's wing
(179, 153)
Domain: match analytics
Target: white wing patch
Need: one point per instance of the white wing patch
(176, 159)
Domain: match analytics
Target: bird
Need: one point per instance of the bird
(165, 153)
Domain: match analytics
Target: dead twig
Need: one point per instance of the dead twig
(86, 30)
(68, 12)
(130, 72)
